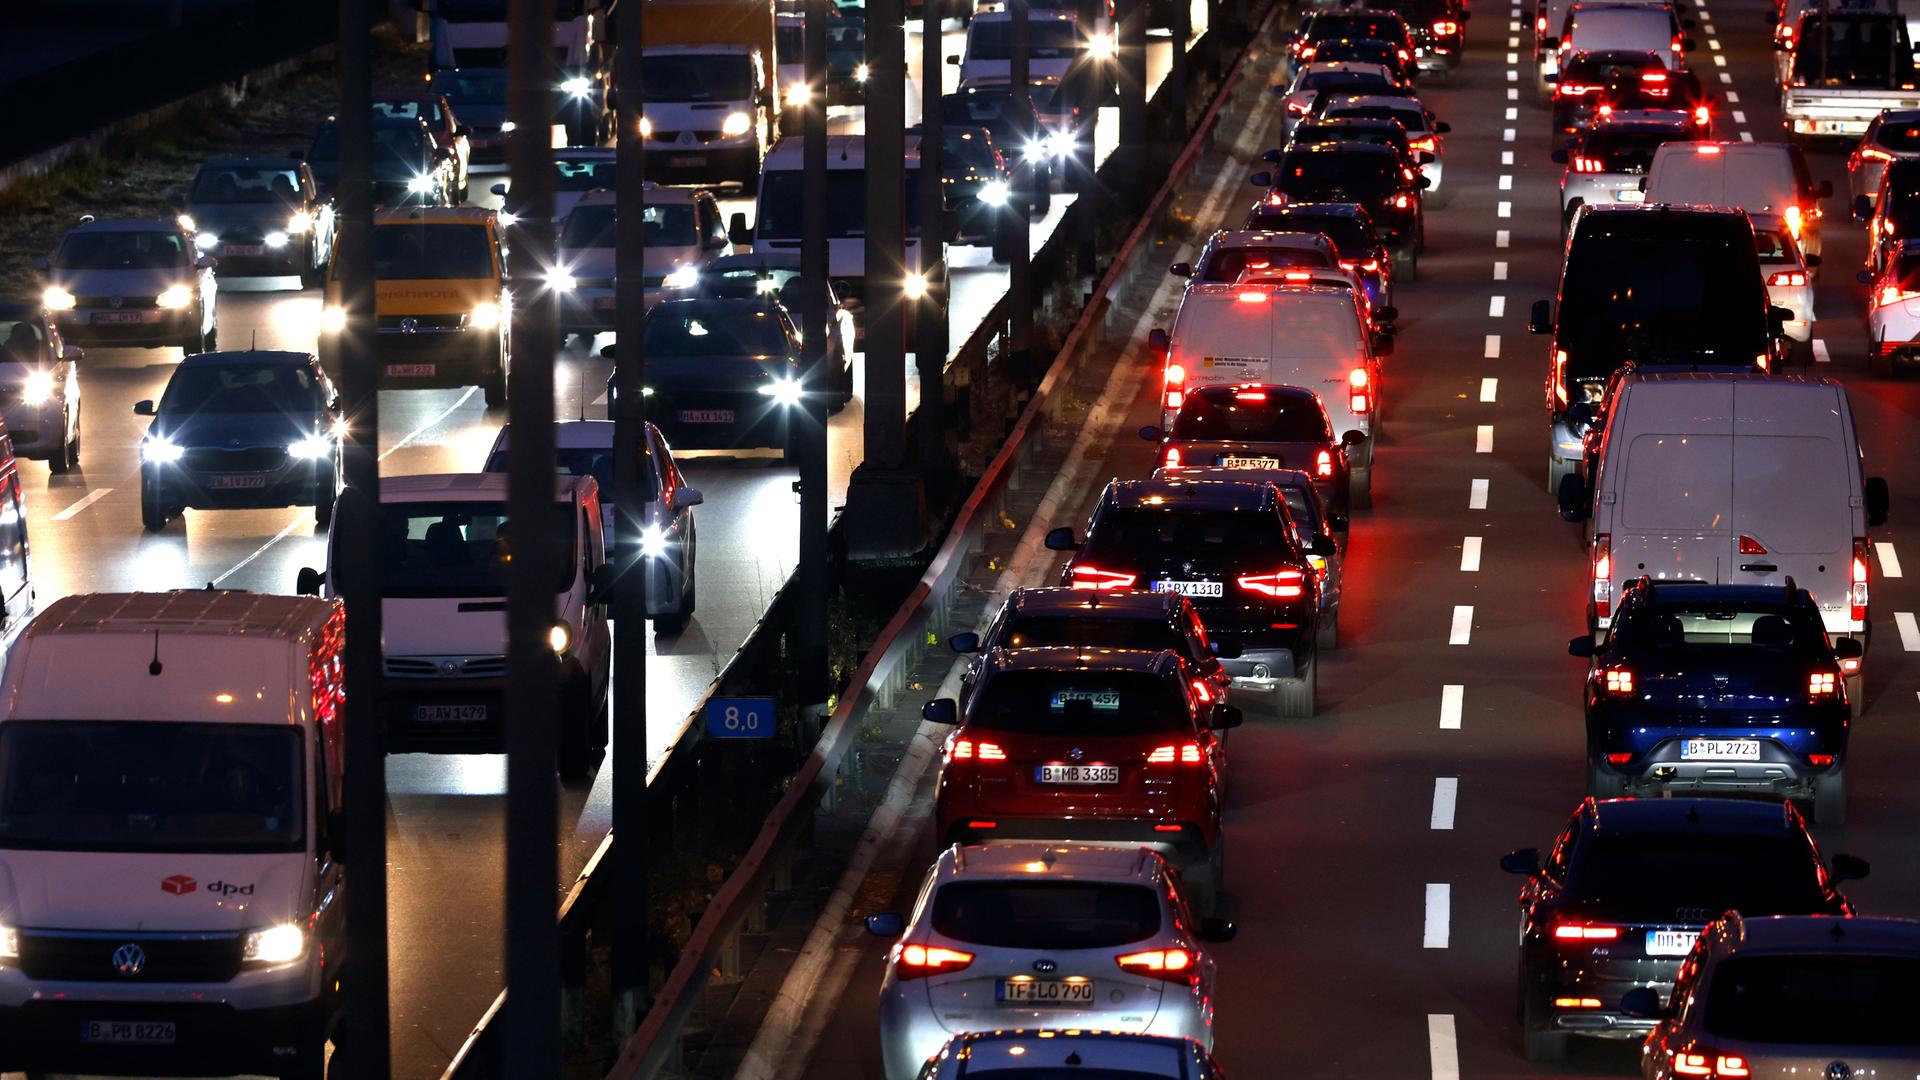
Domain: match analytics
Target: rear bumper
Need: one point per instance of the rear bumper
(1778, 772)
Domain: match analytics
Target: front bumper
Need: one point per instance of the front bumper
(133, 328)
(455, 714)
(719, 420)
(590, 310)
(293, 482)
(705, 163)
(436, 358)
(261, 260)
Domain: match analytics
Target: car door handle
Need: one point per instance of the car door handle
(1759, 567)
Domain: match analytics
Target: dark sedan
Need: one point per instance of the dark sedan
(721, 374)
(1352, 233)
(407, 168)
(260, 216)
(1371, 176)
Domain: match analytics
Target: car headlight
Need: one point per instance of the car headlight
(276, 239)
(785, 391)
(560, 639)
(300, 222)
(914, 285)
(175, 298)
(1100, 46)
(1034, 149)
(57, 299)
(206, 241)
(185, 221)
(682, 278)
(579, 86)
(653, 542)
(736, 124)
(333, 319)
(995, 193)
(156, 450)
(38, 388)
(422, 184)
(311, 448)
(9, 943)
(561, 280)
(860, 73)
(798, 94)
(507, 126)
(486, 316)
(274, 945)
(646, 128)
(1059, 144)
(506, 220)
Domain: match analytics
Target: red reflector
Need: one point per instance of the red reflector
(1166, 828)
(1750, 546)
(983, 824)
(1822, 760)
(1250, 395)
(1619, 759)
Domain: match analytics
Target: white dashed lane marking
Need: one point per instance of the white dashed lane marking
(1461, 632)
(1506, 157)
(1439, 905)
(1713, 43)
(1489, 390)
(1483, 439)
(1502, 238)
(1477, 495)
(1470, 555)
(1746, 136)
(1513, 94)
(1493, 347)
(1499, 271)
(1733, 97)
(1820, 353)
(1889, 561)
(1513, 112)
(1446, 794)
(1719, 61)
(1909, 630)
(1442, 1047)
(1512, 75)
(1505, 209)
(1513, 58)
(1506, 182)
(1506, 134)
(1452, 696)
(1496, 307)
(90, 498)
(1724, 77)
(1739, 117)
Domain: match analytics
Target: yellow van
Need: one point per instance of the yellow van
(441, 305)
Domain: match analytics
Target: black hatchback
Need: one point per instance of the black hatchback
(1372, 176)
(1350, 229)
(1230, 547)
(1626, 889)
(722, 374)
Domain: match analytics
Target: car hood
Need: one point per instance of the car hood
(217, 218)
(667, 372)
(132, 283)
(140, 891)
(481, 117)
(234, 430)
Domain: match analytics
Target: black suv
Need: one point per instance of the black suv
(1372, 176)
(1439, 29)
(1351, 230)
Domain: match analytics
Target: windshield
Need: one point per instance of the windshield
(582, 174)
(967, 152)
(681, 77)
(780, 204)
(245, 184)
(571, 461)
(1862, 50)
(1046, 914)
(396, 148)
(1621, 151)
(496, 10)
(1903, 138)
(747, 282)
(1373, 136)
(1081, 703)
(457, 549)
(1319, 174)
(1000, 113)
(408, 110)
(1773, 246)
(790, 42)
(409, 252)
(1409, 119)
(472, 87)
(1650, 876)
(1231, 264)
(1095, 631)
(1047, 39)
(240, 388)
(121, 249)
(846, 40)
(1252, 416)
(719, 332)
(1816, 1000)
(588, 227)
(132, 785)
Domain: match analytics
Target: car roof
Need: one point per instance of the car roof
(711, 305)
(1056, 861)
(1642, 124)
(1673, 209)
(1380, 101)
(1004, 16)
(226, 611)
(1318, 209)
(1117, 604)
(655, 196)
(1076, 658)
(754, 260)
(127, 225)
(1196, 494)
(1821, 934)
(1677, 816)
(1270, 238)
(433, 215)
(1309, 293)
(572, 435)
(262, 357)
(1728, 376)
(461, 487)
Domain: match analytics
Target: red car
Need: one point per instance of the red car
(1116, 746)
(449, 134)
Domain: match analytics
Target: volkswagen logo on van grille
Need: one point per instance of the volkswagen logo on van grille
(131, 959)
(409, 325)
(117, 302)
(1839, 1070)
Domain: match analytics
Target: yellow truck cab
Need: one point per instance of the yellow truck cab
(441, 304)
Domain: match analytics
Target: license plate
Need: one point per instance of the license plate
(1249, 462)
(450, 714)
(688, 161)
(132, 1032)
(1077, 774)
(1670, 942)
(706, 416)
(243, 249)
(1191, 588)
(1720, 750)
(404, 370)
(1631, 195)
(1046, 991)
(232, 483)
(117, 318)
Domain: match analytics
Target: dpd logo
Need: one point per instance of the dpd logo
(222, 888)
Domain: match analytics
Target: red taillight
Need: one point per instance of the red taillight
(1620, 759)
(1202, 691)
(1307, 51)
(1323, 463)
(1788, 277)
(1584, 164)
(1792, 216)
(1402, 202)
(968, 750)
(1892, 295)
(1873, 153)
(1583, 932)
(1575, 89)
(1185, 753)
(1560, 376)
(1173, 456)
(1707, 148)
(1653, 76)
(920, 961)
(1750, 546)
(1274, 198)
(1857, 593)
(1540, 24)
(1429, 143)
(1281, 584)
(1820, 683)
(1730, 1066)
(1092, 577)
(1576, 1003)
(1173, 965)
(1299, 108)
(1297, 275)
(1252, 396)
(1619, 680)
(1176, 379)
(1446, 28)
(1602, 574)
(1701, 115)
(1359, 392)
(1820, 760)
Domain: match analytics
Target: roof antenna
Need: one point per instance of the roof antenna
(154, 668)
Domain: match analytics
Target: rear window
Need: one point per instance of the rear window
(1323, 174)
(1230, 264)
(1357, 26)
(1860, 50)
(1197, 534)
(1652, 876)
(1660, 290)
(1620, 151)
(1252, 416)
(1610, 67)
(1902, 138)
(1081, 703)
(1773, 245)
(1410, 119)
(1046, 914)
(1314, 80)
(1786, 631)
(1032, 631)
(714, 333)
(1821, 1000)
(1349, 235)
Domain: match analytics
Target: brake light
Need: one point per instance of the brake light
(1370, 266)
(1092, 577)
(1297, 275)
(1585, 164)
(1791, 215)
(1653, 76)
(1857, 595)
(1172, 965)
(920, 961)
(1359, 392)
(1750, 546)
(1323, 463)
(1185, 753)
(1874, 153)
(1731, 1066)
(1701, 115)
(1560, 376)
(1892, 295)
(1252, 298)
(1788, 277)
(1583, 932)
(1576, 1003)
(1250, 395)
(1619, 680)
(1707, 148)
(1428, 143)
(1176, 378)
(1820, 683)
(968, 750)
(1402, 202)
(1575, 89)
(1602, 574)
(1201, 691)
(1298, 108)
(1274, 198)
(1281, 584)
(1540, 24)
(1173, 456)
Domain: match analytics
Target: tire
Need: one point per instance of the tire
(1604, 783)
(153, 516)
(494, 386)
(315, 273)
(65, 456)
(675, 621)
(1360, 488)
(1327, 637)
(1295, 696)
(1041, 202)
(576, 753)
(1830, 798)
(1206, 880)
(1536, 1042)
(323, 507)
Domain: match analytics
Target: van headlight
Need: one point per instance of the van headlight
(9, 943)
(579, 86)
(58, 299)
(736, 124)
(333, 319)
(38, 389)
(276, 239)
(157, 450)
(311, 448)
(300, 222)
(994, 193)
(486, 316)
(653, 542)
(785, 391)
(860, 73)
(561, 280)
(560, 638)
(175, 298)
(274, 945)
(914, 285)
(683, 278)
(421, 185)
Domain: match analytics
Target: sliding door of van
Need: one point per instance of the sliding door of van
(1792, 486)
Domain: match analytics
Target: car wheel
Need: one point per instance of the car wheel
(1327, 637)
(494, 387)
(1205, 880)
(1879, 361)
(1830, 798)
(1296, 695)
(575, 755)
(1604, 783)
(153, 516)
(1360, 488)
(1537, 1042)
(1409, 261)
(63, 457)
(1042, 199)
(1557, 472)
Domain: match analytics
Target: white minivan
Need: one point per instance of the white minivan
(1736, 479)
(445, 542)
(1313, 336)
(172, 895)
(1760, 178)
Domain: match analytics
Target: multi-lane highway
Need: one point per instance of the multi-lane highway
(1377, 934)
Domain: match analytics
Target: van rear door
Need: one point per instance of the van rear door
(1219, 337)
(1793, 494)
(1672, 521)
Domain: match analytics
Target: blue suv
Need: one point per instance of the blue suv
(1704, 688)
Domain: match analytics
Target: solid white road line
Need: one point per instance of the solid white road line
(1442, 1047)
(1461, 632)
(1505, 209)
(1439, 900)
(1483, 439)
(92, 497)
(1493, 347)
(1746, 136)
(1470, 555)
(1452, 696)
(1909, 630)
(1502, 238)
(1739, 117)
(1489, 388)
(1889, 561)
(1496, 306)
(1820, 353)
(1446, 793)
(1499, 271)
(1477, 495)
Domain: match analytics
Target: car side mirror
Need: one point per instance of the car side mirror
(1386, 314)
(1581, 646)
(1825, 190)
(941, 710)
(1643, 1003)
(686, 498)
(968, 642)
(737, 229)
(1227, 717)
(1874, 493)
(1862, 208)
(954, 60)
(1158, 344)
(1524, 861)
(1263, 178)
(1864, 277)
(1152, 433)
(1443, 128)
(205, 262)
(1338, 522)
(1271, 157)
(1324, 547)
(308, 581)
(1812, 261)
(1422, 182)
(1215, 930)
(1849, 867)
(1181, 269)
(886, 924)
(1353, 437)
(1061, 539)
(1558, 157)
(143, 407)
(1848, 649)
(1540, 320)
(607, 353)
(1572, 496)
(499, 189)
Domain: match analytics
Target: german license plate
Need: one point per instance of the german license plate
(688, 161)
(1670, 942)
(1191, 588)
(1720, 750)
(238, 483)
(131, 1032)
(119, 318)
(405, 370)
(706, 416)
(1249, 462)
(450, 714)
(1046, 991)
(243, 249)
(1631, 195)
(1077, 774)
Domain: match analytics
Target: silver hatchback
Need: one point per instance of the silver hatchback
(1025, 935)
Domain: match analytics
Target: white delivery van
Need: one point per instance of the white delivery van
(710, 114)
(445, 542)
(1617, 27)
(1312, 336)
(1736, 479)
(171, 880)
(1760, 178)
(1553, 18)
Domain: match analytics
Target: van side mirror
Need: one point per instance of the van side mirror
(1422, 182)
(1158, 345)
(1558, 157)
(1524, 861)
(308, 581)
(1862, 208)
(1848, 649)
(1061, 539)
(941, 710)
(1540, 321)
(1849, 867)
(1263, 178)
(1353, 437)
(462, 131)
(205, 262)
(1874, 493)
(143, 407)
(498, 189)
(1643, 1003)
(1812, 261)
(1151, 433)
(886, 924)
(968, 642)
(1581, 646)
(1324, 547)
(1573, 498)
(1227, 717)
(1181, 269)
(738, 231)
